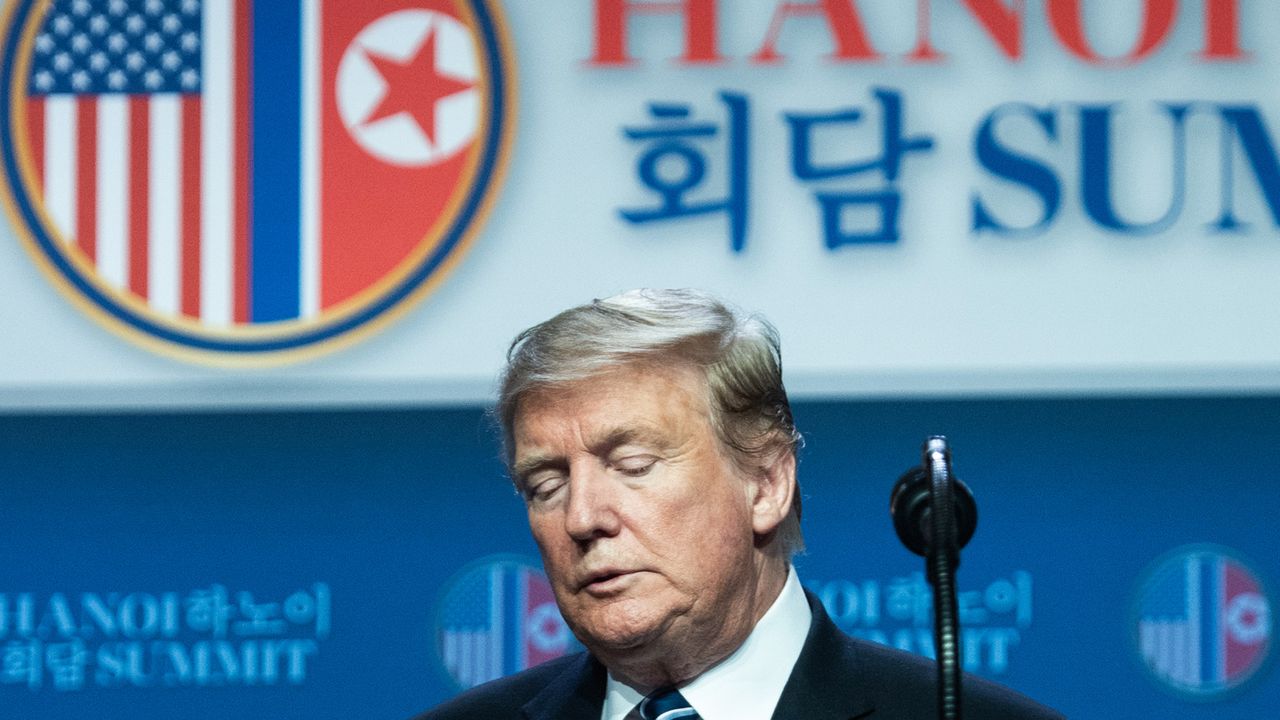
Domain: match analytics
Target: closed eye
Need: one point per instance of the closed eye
(635, 465)
(542, 488)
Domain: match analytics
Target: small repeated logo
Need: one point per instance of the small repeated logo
(1203, 621)
(499, 616)
(250, 179)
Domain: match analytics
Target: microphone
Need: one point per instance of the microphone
(913, 515)
(935, 515)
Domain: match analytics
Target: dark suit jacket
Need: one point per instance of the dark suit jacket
(836, 678)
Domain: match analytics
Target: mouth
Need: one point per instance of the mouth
(608, 582)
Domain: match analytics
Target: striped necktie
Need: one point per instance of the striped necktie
(666, 704)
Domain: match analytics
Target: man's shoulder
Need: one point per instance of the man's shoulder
(504, 697)
(838, 670)
(913, 679)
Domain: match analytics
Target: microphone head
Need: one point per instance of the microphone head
(910, 508)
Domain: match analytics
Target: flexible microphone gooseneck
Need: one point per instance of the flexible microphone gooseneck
(935, 515)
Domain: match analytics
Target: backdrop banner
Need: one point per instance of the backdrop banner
(370, 564)
(371, 199)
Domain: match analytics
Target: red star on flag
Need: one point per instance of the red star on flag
(548, 627)
(414, 86)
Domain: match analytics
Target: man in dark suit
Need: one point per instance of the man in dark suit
(651, 437)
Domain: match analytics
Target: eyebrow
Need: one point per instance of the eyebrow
(642, 435)
(522, 469)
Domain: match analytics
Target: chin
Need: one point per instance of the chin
(616, 629)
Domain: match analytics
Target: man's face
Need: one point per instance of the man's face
(645, 526)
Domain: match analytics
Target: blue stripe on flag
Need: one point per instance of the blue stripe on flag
(1210, 602)
(277, 158)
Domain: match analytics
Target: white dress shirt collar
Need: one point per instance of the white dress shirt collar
(747, 684)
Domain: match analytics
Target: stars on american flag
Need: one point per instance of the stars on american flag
(118, 46)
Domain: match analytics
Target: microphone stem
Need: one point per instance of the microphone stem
(940, 566)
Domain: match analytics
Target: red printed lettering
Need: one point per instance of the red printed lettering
(842, 21)
(611, 29)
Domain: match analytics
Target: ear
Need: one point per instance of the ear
(775, 485)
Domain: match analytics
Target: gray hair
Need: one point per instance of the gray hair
(738, 356)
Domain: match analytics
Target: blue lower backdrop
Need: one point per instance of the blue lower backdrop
(368, 564)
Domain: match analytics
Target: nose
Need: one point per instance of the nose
(592, 510)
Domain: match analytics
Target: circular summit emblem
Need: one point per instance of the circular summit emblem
(1203, 622)
(498, 616)
(249, 178)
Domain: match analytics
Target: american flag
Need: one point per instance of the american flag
(476, 626)
(117, 119)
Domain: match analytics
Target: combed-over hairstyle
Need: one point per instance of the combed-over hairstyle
(738, 355)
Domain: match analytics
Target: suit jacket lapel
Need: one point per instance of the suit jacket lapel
(825, 683)
(575, 694)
